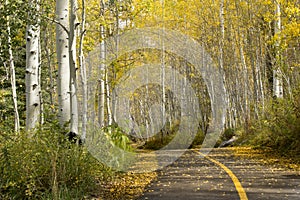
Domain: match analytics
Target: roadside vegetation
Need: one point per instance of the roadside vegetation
(58, 71)
(278, 129)
(46, 165)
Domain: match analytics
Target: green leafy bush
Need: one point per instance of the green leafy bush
(198, 140)
(228, 134)
(46, 166)
(279, 128)
(118, 138)
(157, 142)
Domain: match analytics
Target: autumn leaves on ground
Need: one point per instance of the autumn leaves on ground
(188, 179)
(59, 77)
(47, 166)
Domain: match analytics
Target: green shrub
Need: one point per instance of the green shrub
(198, 140)
(118, 138)
(279, 128)
(228, 134)
(157, 142)
(46, 166)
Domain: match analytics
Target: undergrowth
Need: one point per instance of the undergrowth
(278, 128)
(45, 165)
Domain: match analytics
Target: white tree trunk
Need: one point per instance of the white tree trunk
(113, 94)
(277, 74)
(73, 64)
(277, 83)
(83, 75)
(246, 85)
(13, 76)
(32, 82)
(222, 30)
(221, 47)
(41, 120)
(108, 97)
(101, 98)
(62, 50)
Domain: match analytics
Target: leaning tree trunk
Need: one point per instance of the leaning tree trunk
(32, 81)
(62, 50)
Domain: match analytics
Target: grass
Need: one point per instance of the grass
(48, 166)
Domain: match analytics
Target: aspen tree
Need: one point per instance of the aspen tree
(62, 50)
(32, 78)
(73, 67)
(277, 74)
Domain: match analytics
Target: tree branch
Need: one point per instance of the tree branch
(57, 22)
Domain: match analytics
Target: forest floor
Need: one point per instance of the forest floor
(226, 173)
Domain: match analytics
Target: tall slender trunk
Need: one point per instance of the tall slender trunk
(83, 75)
(108, 97)
(32, 78)
(73, 67)
(277, 73)
(62, 50)
(113, 94)
(221, 49)
(246, 86)
(12, 76)
(222, 28)
(163, 75)
(101, 97)
(254, 64)
(42, 117)
(259, 58)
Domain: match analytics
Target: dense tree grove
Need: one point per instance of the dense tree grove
(46, 60)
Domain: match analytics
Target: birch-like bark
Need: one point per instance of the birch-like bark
(222, 29)
(113, 94)
(73, 64)
(13, 76)
(261, 73)
(101, 98)
(254, 64)
(32, 81)
(83, 74)
(62, 50)
(246, 85)
(221, 47)
(42, 119)
(277, 74)
(108, 96)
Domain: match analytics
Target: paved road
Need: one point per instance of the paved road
(222, 176)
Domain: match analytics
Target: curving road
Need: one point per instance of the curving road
(222, 175)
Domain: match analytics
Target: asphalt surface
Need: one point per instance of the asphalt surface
(196, 177)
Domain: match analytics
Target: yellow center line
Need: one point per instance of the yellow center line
(235, 180)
